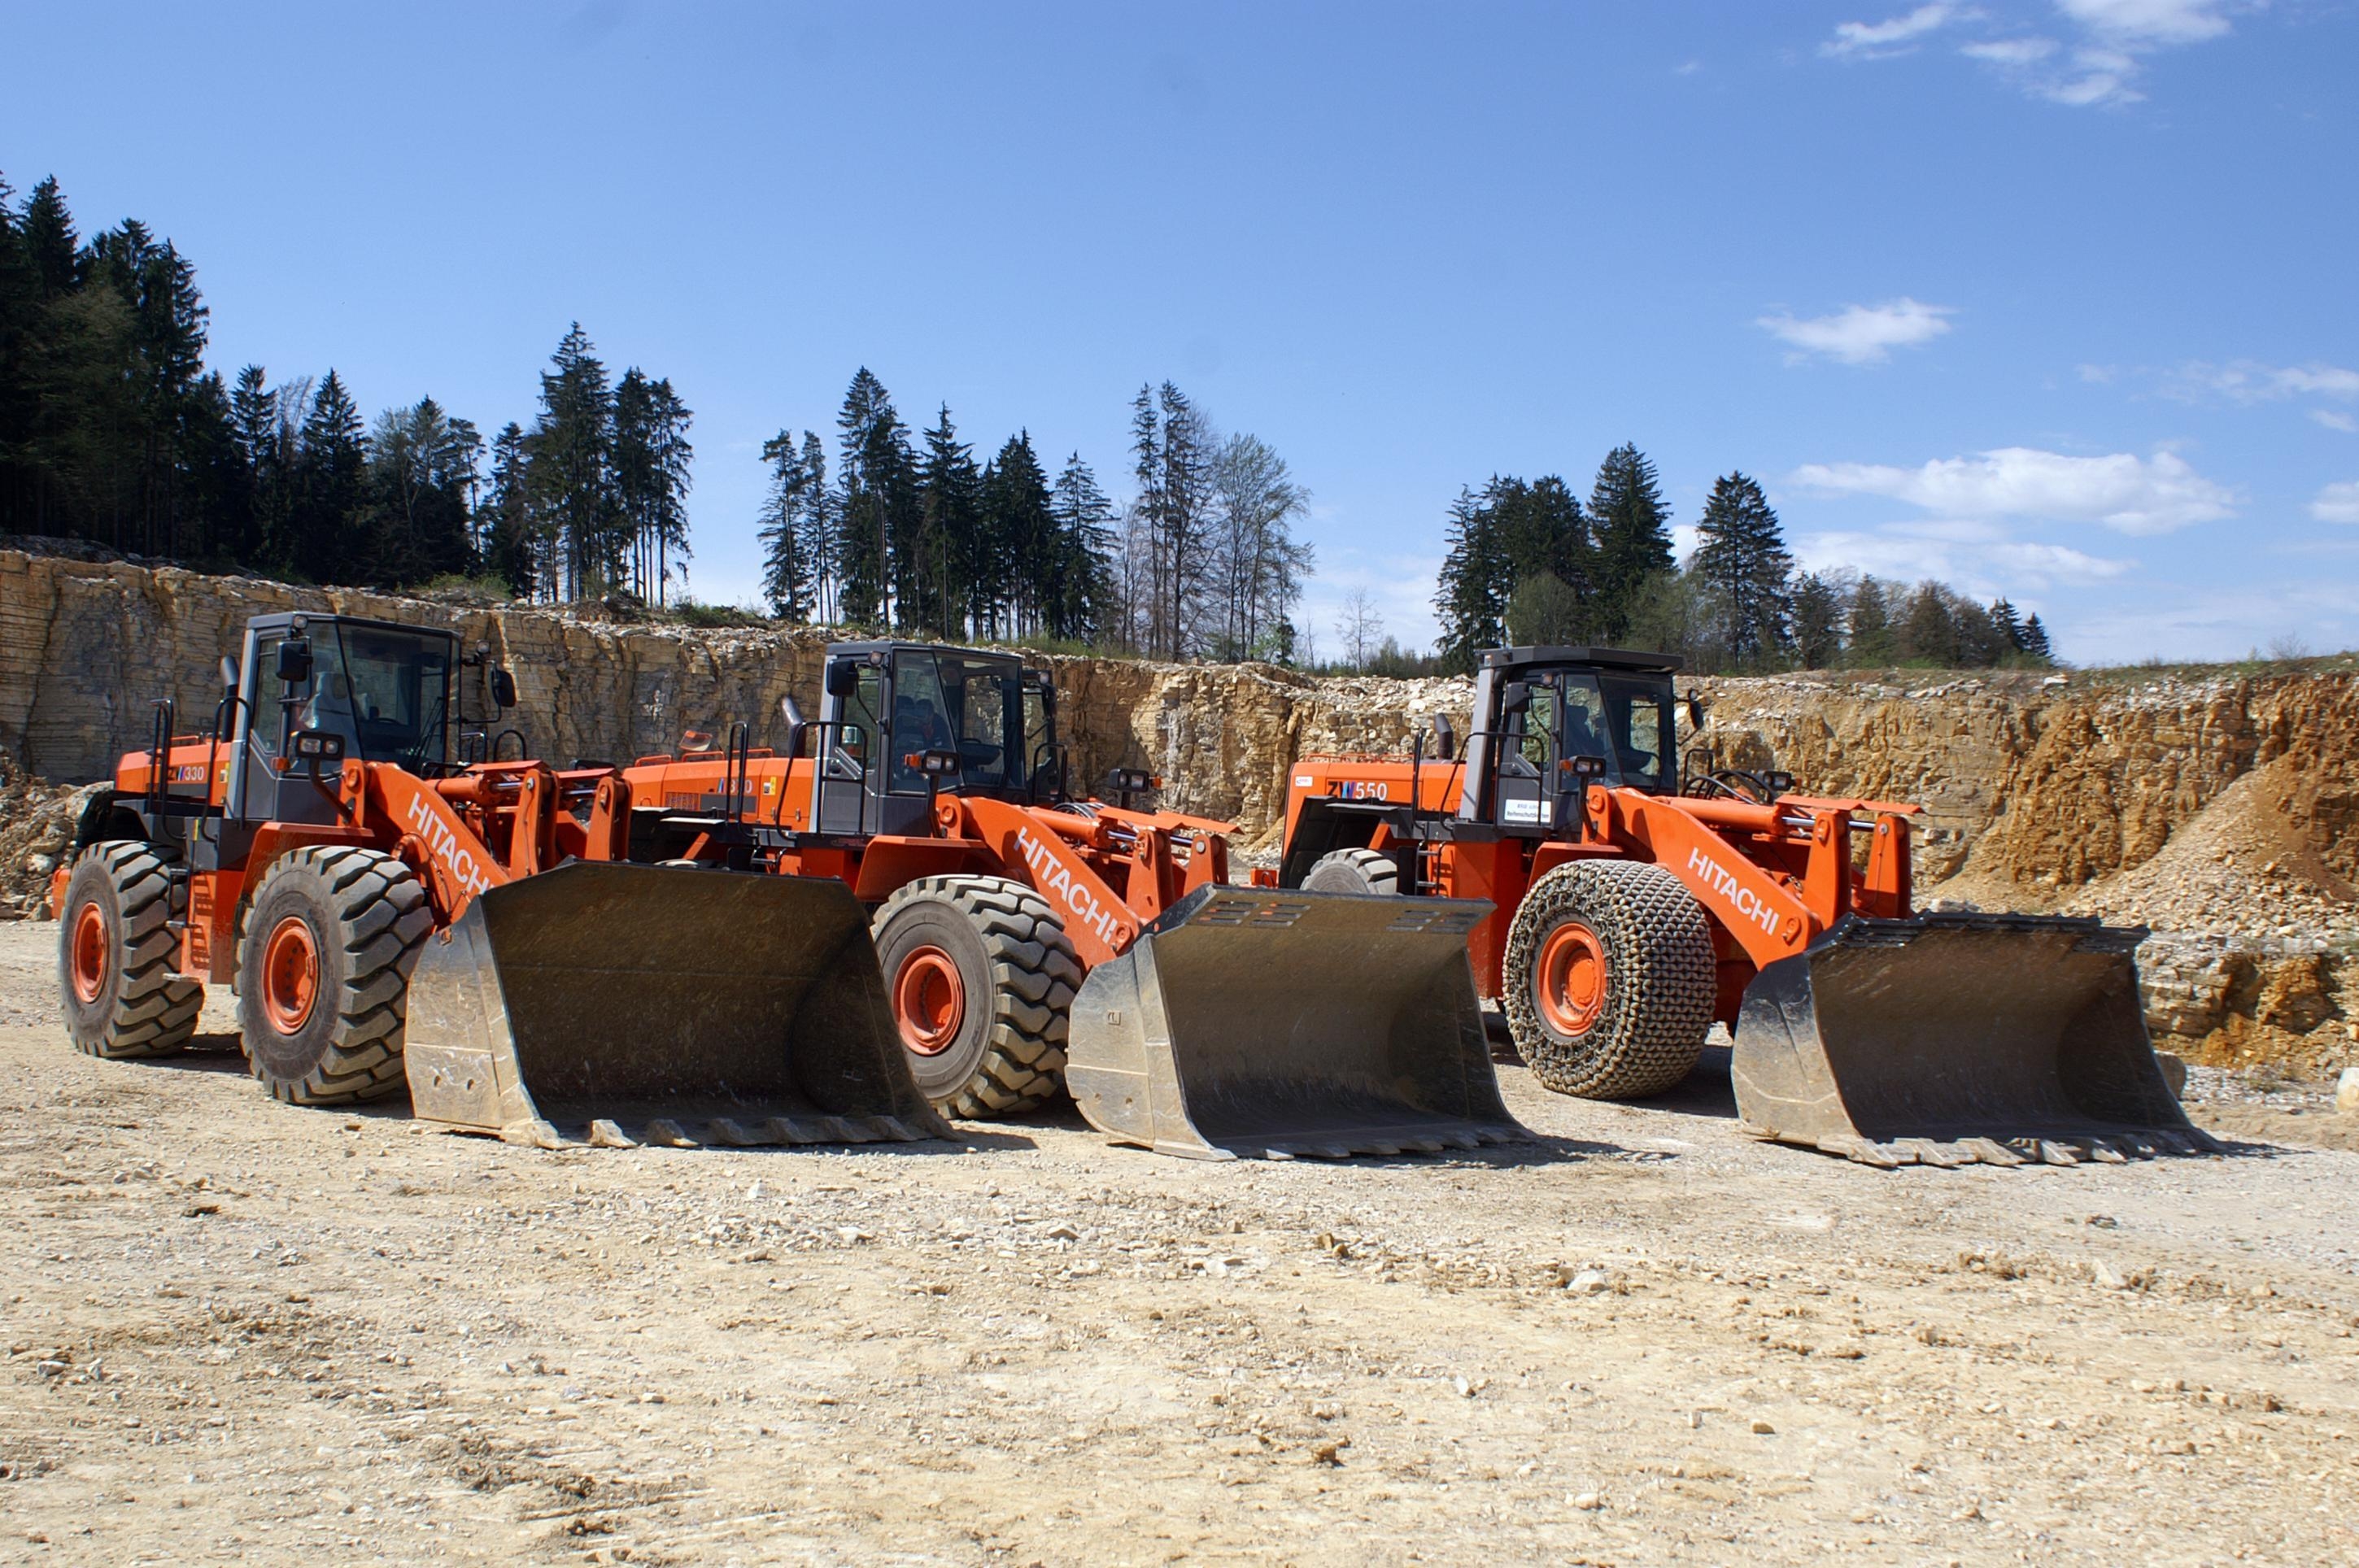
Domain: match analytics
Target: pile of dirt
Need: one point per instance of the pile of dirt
(36, 823)
(2257, 862)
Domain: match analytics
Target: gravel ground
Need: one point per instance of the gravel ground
(238, 1330)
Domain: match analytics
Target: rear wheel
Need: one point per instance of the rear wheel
(1353, 871)
(323, 973)
(1609, 979)
(122, 996)
(981, 977)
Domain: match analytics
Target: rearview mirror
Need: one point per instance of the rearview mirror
(843, 677)
(502, 687)
(1515, 697)
(294, 660)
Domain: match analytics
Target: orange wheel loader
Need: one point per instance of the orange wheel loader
(1636, 901)
(388, 916)
(1031, 939)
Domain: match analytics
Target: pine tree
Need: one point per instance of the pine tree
(1632, 528)
(505, 540)
(650, 465)
(1082, 603)
(2008, 623)
(1469, 601)
(789, 581)
(876, 503)
(1870, 640)
(815, 519)
(1742, 554)
(1014, 569)
(1818, 621)
(1928, 629)
(570, 473)
(957, 567)
(48, 240)
(420, 483)
(2034, 642)
(328, 469)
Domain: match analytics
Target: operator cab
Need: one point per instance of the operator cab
(905, 720)
(381, 688)
(1565, 718)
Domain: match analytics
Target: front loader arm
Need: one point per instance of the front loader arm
(1768, 918)
(1031, 850)
(410, 816)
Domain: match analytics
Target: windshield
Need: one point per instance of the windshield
(1627, 720)
(388, 693)
(967, 703)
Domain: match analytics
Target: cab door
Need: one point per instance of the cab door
(1528, 765)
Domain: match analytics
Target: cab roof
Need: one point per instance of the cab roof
(281, 619)
(1600, 658)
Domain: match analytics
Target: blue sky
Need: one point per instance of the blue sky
(2049, 297)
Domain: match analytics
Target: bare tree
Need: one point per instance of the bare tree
(1359, 627)
(1257, 567)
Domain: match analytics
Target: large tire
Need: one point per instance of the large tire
(1609, 979)
(982, 979)
(323, 973)
(1353, 871)
(121, 994)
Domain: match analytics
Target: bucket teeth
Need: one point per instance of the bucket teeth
(666, 1134)
(2104, 1153)
(1991, 1152)
(2054, 1152)
(532, 1134)
(605, 1133)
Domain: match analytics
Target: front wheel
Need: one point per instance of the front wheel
(1609, 979)
(982, 979)
(122, 996)
(323, 973)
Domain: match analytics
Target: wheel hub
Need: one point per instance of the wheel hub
(929, 1002)
(290, 975)
(90, 946)
(1571, 979)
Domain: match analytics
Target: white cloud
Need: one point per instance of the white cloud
(2115, 35)
(1861, 334)
(1879, 41)
(2250, 381)
(2125, 493)
(2337, 503)
(2128, 22)
(2334, 421)
(1980, 558)
(2011, 51)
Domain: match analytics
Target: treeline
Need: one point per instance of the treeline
(914, 536)
(113, 430)
(1528, 563)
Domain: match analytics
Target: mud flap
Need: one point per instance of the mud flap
(1952, 1039)
(1250, 1021)
(625, 1004)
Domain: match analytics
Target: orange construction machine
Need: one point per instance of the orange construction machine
(386, 914)
(1635, 902)
(1029, 939)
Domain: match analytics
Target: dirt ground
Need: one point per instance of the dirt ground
(236, 1330)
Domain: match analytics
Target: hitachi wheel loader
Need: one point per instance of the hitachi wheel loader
(389, 915)
(1637, 901)
(1031, 940)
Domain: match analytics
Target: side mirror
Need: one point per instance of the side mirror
(502, 687)
(1445, 738)
(228, 673)
(843, 677)
(1515, 697)
(294, 660)
(791, 711)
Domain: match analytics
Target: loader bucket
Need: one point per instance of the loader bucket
(1949, 1039)
(629, 1004)
(1252, 1022)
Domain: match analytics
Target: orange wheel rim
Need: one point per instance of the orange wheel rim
(290, 975)
(90, 946)
(1572, 978)
(929, 1002)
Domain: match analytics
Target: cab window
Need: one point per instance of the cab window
(1539, 730)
